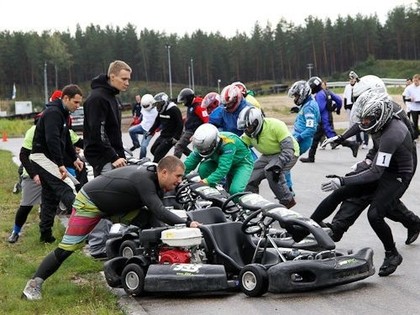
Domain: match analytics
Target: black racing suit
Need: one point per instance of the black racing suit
(386, 179)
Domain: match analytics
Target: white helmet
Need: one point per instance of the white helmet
(251, 121)
(205, 139)
(147, 101)
(369, 83)
(375, 109)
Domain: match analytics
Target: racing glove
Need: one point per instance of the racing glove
(335, 183)
(337, 140)
(360, 167)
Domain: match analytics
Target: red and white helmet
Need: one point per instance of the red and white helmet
(211, 101)
(231, 97)
(241, 87)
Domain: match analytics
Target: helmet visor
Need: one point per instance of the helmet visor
(368, 123)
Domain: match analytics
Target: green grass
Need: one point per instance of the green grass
(15, 128)
(76, 288)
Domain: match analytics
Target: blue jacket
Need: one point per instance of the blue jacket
(321, 99)
(306, 124)
(226, 121)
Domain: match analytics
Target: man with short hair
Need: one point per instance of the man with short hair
(51, 145)
(120, 195)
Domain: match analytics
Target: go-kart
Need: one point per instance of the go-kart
(174, 260)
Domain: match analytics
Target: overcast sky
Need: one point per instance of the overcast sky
(180, 16)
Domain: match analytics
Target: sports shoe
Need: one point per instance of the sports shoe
(307, 160)
(32, 290)
(13, 237)
(364, 146)
(134, 147)
(392, 260)
(412, 235)
(17, 188)
(291, 203)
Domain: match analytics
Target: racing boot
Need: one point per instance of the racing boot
(15, 236)
(392, 260)
(412, 234)
(32, 289)
(353, 145)
(307, 160)
(47, 237)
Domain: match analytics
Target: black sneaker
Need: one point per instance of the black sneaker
(307, 160)
(48, 238)
(412, 235)
(13, 237)
(134, 147)
(392, 260)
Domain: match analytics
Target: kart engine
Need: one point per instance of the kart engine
(184, 246)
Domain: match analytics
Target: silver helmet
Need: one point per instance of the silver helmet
(251, 121)
(368, 83)
(206, 139)
(376, 111)
(161, 101)
(299, 91)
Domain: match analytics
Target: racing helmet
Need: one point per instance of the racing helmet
(316, 84)
(231, 97)
(299, 91)
(251, 121)
(376, 111)
(353, 76)
(206, 139)
(161, 101)
(186, 96)
(147, 101)
(241, 87)
(369, 83)
(211, 101)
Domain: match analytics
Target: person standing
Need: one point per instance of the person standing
(121, 195)
(196, 115)
(326, 100)
(413, 94)
(405, 98)
(103, 146)
(147, 117)
(136, 108)
(51, 145)
(102, 135)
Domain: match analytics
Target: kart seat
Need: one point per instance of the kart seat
(208, 215)
(228, 245)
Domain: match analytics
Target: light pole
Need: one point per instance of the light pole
(218, 85)
(192, 74)
(45, 83)
(168, 47)
(310, 67)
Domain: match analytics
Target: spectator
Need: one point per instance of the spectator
(136, 107)
(102, 135)
(406, 100)
(413, 93)
(51, 144)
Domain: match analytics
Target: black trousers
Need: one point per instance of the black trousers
(161, 146)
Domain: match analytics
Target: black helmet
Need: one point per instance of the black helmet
(161, 101)
(316, 84)
(186, 96)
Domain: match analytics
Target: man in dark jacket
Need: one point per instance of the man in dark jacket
(102, 136)
(51, 144)
(102, 121)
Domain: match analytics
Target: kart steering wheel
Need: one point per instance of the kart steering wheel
(233, 207)
(184, 194)
(252, 227)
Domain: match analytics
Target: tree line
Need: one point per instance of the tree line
(283, 52)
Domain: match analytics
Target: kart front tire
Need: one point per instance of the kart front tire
(133, 279)
(253, 280)
(128, 248)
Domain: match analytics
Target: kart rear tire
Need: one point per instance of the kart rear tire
(128, 248)
(253, 280)
(132, 279)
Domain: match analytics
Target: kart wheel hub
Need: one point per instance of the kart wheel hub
(249, 281)
(132, 280)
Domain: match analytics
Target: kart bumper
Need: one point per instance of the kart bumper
(304, 275)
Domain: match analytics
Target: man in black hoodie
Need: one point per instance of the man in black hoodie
(102, 136)
(51, 144)
(102, 121)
